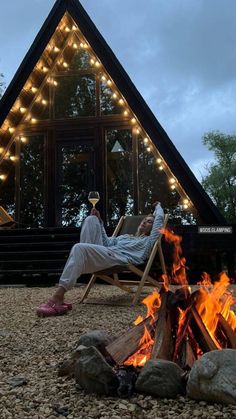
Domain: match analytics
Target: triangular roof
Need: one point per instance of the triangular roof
(204, 205)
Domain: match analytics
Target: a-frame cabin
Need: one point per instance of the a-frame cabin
(72, 121)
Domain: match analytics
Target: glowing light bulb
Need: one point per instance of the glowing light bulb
(172, 180)
(137, 131)
(103, 78)
(65, 64)
(75, 46)
(121, 101)
(133, 120)
(56, 49)
(11, 130)
(161, 167)
(126, 113)
(114, 95)
(13, 158)
(149, 149)
(1, 150)
(67, 29)
(109, 82)
(55, 82)
(172, 187)
(186, 201)
(97, 64)
(74, 28)
(33, 120)
(3, 177)
(92, 61)
(145, 140)
(22, 110)
(44, 101)
(159, 160)
(23, 139)
(34, 89)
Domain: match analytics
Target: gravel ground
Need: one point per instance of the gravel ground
(32, 347)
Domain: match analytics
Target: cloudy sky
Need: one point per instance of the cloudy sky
(180, 54)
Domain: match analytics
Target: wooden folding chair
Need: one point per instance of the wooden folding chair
(129, 225)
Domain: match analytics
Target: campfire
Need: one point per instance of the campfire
(162, 353)
(180, 325)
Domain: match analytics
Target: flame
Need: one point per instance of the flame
(216, 300)
(144, 352)
(178, 271)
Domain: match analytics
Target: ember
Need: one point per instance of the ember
(180, 326)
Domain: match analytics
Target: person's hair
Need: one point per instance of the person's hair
(138, 233)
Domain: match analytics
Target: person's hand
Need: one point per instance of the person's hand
(95, 212)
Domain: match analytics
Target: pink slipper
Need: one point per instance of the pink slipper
(51, 309)
(68, 305)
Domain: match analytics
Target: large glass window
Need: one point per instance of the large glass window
(32, 181)
(154, 186)
(108, 105)
(80, 61)
(74, 180)
(119, 174)
(75, 96)
(7, 187)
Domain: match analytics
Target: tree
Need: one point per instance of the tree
(1, 85)
(220, 182)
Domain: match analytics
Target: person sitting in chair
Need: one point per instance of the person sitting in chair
(96, 251)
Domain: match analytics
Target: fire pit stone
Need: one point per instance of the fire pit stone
(93, 373)
(213, 377)
(161, 378)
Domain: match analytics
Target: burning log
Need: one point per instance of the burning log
(186, 357)
(200, 332)
(129, 343)
(229, 334)
(163, 341)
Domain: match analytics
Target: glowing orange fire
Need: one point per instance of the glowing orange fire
(211, 301)
(152, 302)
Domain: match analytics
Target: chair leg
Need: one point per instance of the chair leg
(88, 288)
(139, 289)
(162, 260)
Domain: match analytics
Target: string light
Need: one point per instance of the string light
(145, 140)
(161, 167)
(149, 149)
(67, 29)
(97, 64)
(44, 101)
(74, 28)
(45, 69)
(92, 61)
(114, 96)
(1, 150)
(13, 158)
(133, 120)
(3, 177)
(109, 82)
(22, 109)
(33, 120)
(121, 101)
(65, 64)
(126, 113)
(23, 139)
(11, 130)
(56, 49)
(137, 130)
(75, 46)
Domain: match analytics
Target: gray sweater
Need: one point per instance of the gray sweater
(132, 249)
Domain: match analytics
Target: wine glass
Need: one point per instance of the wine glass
(93, 197)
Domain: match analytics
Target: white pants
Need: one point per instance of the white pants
(89, 255)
